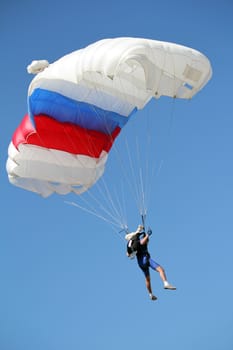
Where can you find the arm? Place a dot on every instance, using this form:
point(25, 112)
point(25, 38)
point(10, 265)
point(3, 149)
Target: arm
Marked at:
point(145, 239)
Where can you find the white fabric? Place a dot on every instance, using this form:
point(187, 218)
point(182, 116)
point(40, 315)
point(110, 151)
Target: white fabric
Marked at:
point(45, 171)
point(37, 66)
point(130, 69)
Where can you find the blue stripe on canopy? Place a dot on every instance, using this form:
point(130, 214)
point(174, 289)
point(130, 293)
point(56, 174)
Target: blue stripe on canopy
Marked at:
point(64, 109)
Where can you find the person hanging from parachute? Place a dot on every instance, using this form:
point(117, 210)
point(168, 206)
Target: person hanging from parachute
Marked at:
point(137, 245)
point(78, 105)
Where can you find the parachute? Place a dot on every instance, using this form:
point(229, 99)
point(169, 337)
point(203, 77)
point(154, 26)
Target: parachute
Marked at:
point(78, 105)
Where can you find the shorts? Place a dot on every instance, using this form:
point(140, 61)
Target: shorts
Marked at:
point(145, 262)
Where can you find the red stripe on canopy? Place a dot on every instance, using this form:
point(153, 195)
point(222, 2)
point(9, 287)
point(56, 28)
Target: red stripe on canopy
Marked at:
point(49, 133)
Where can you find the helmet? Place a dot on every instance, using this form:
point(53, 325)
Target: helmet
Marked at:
point(140, 228)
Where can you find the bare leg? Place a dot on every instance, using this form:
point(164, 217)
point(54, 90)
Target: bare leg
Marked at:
point(163, 277)
point(162, 273)
point(148, 286)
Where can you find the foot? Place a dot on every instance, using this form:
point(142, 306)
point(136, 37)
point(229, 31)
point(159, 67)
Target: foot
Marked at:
point(153, 297)
point(169, 286)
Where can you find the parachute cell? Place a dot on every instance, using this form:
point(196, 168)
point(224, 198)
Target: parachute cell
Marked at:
point(78, 105)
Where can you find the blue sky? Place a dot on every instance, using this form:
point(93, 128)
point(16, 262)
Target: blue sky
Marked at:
point(65, 280)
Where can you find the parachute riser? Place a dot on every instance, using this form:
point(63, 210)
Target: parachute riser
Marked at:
point(143, 220)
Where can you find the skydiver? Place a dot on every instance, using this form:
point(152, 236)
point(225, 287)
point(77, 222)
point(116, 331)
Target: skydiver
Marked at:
point(138, 245)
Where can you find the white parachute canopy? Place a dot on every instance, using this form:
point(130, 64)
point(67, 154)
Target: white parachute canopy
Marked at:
point(78, 105)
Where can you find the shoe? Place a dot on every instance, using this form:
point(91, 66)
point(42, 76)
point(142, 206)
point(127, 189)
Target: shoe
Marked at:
point(169, 286)
point(153, 297)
